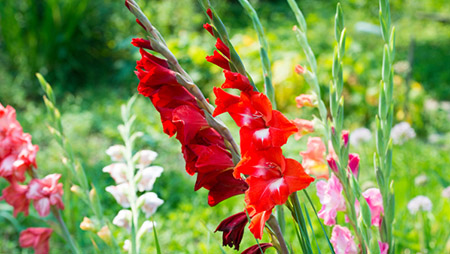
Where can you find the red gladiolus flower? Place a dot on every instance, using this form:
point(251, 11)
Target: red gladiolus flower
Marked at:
point(233, 229)
point(219, 60)
point(37, 238)
point(256, 249)
point(15, 195)
point(45, 193)
point(223, 48)
point(141, 43)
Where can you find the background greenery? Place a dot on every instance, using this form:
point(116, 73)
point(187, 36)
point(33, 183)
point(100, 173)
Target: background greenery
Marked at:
point(83, 49)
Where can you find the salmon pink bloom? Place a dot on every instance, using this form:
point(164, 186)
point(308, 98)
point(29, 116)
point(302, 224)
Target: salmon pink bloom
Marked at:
point(233, 229)
point(256, 249)
point(375, 202)
point(45, 193)
point(330, 195)
point(37, 238)
point(304, 127)
point(305, 100)
point(15, 195)
point(342, 241)
point(313, 158)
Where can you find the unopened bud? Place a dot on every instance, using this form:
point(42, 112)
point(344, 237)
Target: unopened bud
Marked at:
point(299, 69)
point(105, 234)
point(76, 190)
point(87, 224)
point(345, 137)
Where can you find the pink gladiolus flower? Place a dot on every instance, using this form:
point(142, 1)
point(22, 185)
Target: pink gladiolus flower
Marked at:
point(304, 127)
point(15, 195)
point(120, 193)
point(45, 193)
point(342, 241)
point(313, 158)
point(37, 238)
point(384, 247)
point(304, 100)
point(118, 172)
point(375, 202)
point(330, 195)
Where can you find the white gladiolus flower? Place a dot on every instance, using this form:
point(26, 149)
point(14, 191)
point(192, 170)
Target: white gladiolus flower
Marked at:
point(120, 193)
point(149, 202)
point(419, 203)
point(126, 245)
point(145, 157)
point(146, 227)
point(118, 172)
point(402, 132)
point(123, 219)
point(420, 180)
point(446, 192)
point(148, 176)
point(116, 152)
point(359, 136)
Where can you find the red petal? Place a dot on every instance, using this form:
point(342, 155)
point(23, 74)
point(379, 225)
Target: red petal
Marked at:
point(237, 81)
point(223, 48)
point(219, 60)
point(141, 43)
point(258, 222)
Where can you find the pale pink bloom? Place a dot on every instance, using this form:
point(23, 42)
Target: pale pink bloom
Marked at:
point(446, 192)
point(45, 193)
point(118, 172)
point(313, 158)
point(148, 177)
point(304, 127)
point(419, 203)
point(116, 152)
point(123, 219)
point(342, 241)
point(150, 202)
point(37, 238)
point(126, 245)
point(145, 157)
point(375, 202)
point(384, 247)
point(120, 193)
point(330, 195)
point(305, 100)
point(15, 195)
point(146, 227)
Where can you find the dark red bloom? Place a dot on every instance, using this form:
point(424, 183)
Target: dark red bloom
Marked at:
point(256, 249)
point(233, 229)
point(209, 12)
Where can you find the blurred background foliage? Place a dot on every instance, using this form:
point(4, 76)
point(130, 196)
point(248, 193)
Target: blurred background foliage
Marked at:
point(83, 49)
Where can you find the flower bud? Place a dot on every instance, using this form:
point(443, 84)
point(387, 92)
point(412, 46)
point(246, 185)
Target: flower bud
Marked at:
point(87, 224)
point(105, 234)
point(299, 69)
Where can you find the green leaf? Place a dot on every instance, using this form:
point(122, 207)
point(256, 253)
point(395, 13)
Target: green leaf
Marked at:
point(155, 235)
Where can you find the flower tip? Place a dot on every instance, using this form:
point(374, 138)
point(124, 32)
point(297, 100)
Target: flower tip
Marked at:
point(209, 12)
point(294, 28)
point(299, 69)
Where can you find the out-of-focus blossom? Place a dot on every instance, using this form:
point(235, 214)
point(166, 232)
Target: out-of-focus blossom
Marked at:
point(299, 69)
point(145, 158)
point(120, 193)
point(256, 249)
point(147, 177)
point(149, 202)
point(304, 127)
point(313, 158)
point(419, 203)
point(330, 195)
point(87, 224)
point(233, 229)
point(431, 105)
point(342, 241)
point(446, 192)
point(402, 132)
point(116, 152)
point(420, 180)
point(345, 134)
point(146, 227)
point(375, 202)
point(126, 245)
point(104, 234)
point(359, 136)
point(305, 100)
point(15, 195)
point(123, 219)
point(45, 193)
point(384, 247)
point(118, 172)
point(37, 238)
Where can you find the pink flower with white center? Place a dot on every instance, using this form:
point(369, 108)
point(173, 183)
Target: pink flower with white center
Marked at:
point(116, 152)
point(15, 195)
point(375, 202)
point(150, 202)
point(304, 127)
point(120, 193)
point(313, 159)
point(342, 241)
point(305, 100)
point(330, 195)
point(148, 177)
point(145, 158)
point(45, 193)
point(118, 172)
point(123, 219)
point(37, 238)
point(384, 247)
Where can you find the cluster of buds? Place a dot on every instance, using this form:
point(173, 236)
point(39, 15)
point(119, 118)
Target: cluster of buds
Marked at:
point(18, 157)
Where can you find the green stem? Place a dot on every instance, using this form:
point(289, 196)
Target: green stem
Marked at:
point(56, 213)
